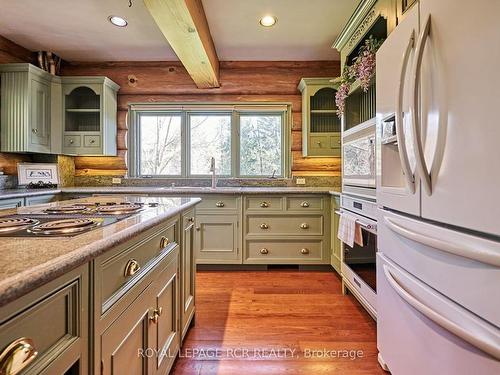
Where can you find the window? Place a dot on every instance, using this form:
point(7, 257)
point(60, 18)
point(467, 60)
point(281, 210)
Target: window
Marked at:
point(210, 137)
point(173, 142)
point(160, 140)
point(260, 145)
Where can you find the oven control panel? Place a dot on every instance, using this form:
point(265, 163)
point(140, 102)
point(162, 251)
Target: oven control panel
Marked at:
point(361, 206)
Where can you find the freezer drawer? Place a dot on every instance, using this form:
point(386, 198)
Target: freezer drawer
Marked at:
point(420, 331)
point(461, 266)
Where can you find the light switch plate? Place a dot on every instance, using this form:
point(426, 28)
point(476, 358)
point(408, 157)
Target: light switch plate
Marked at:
point(300, 181)
point(116, 180)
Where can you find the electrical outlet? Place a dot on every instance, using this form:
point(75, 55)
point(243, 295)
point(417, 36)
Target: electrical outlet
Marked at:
point(300, 181)
point(116, 180)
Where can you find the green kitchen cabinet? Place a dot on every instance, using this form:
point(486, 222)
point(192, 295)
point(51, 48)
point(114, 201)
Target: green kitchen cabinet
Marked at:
point(90, 108)
point(335, 242)
point(11, 203)
point(320, 123)
point(217, 239)
point(188, 275)
point(30, 112)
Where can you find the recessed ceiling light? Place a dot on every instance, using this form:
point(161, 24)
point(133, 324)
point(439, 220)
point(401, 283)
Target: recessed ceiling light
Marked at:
point(117, 21)
point(268, 21)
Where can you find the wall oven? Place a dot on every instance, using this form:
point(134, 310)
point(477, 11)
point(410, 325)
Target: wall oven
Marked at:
point(358, 263)
point(358, 158)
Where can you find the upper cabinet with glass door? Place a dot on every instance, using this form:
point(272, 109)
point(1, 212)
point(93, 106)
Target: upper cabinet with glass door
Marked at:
point(89, 105)
point(320, 123)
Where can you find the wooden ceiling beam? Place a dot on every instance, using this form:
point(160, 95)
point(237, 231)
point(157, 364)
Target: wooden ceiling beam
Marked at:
point(185, 26)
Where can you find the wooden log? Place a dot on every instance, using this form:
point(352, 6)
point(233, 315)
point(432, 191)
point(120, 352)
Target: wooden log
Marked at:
point(296, 120)
point(300, 163)
point(121, 120)
point(296, 140)
point(121, 139)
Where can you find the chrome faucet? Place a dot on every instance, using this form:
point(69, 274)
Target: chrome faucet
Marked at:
point(212, 170)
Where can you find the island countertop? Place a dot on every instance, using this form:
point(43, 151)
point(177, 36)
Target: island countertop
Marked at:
point(29, 262)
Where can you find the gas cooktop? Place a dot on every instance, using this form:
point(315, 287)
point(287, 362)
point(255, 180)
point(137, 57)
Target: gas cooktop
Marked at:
point(68, 220)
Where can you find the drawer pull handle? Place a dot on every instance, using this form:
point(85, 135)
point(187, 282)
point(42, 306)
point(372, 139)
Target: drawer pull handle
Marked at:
point(264, 226)
point(264, 204)
point(304, 226)
point(304, 204)
point(34, 130)
point(131, 268)
point(264, 251)
point(17, 356)
point(220, 204)
point(156, 314)
point(191, 219)
point(304, 251)
point(164, 242)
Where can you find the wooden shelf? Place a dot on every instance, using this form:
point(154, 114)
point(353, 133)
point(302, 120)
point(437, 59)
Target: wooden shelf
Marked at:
point(323, 111)
point(83, 110)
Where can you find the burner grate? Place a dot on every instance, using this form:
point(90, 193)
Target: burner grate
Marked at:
point(65, 226)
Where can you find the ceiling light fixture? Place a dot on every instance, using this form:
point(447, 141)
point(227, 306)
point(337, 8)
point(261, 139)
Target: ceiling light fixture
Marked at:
point(268, 21)
point(118, 21)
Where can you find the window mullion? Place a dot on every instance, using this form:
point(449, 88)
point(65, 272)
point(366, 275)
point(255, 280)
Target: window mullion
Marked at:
point(235, 144)
point(186, 145)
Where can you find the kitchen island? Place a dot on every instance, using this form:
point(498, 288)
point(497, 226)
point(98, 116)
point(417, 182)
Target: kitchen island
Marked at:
point(115, 289)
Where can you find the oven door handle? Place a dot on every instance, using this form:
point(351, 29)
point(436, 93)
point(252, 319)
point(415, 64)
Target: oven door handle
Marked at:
point(367, 226)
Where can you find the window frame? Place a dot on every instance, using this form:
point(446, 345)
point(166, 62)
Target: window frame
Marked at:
point(185, 111)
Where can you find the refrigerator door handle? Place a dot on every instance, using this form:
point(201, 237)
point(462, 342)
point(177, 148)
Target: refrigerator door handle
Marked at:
point(467, 248)
point(416, 125)
point(476, 333)
point(403, 152)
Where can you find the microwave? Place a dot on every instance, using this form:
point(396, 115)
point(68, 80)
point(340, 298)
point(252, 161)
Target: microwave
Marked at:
point(358, 157)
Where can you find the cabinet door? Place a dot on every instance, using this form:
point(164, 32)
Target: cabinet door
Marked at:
point(31, 201)
point(40, 116)
point(166, 323)
point(217, 239)
point(336, 244)
point(11, 203)
point(124, 344)
point(188, 272)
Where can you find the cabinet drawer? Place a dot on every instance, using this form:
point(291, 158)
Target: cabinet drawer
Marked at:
point(11, 203)
point(285, 225)
point(305, 204)
point(264, 204)
point(122, 270)
point(92, 141)
point(218, 203)
point(284, 251)
point(49, 327)
point(72, 141)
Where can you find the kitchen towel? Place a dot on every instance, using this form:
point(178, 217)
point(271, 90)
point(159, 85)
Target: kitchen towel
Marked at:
point(349, 230)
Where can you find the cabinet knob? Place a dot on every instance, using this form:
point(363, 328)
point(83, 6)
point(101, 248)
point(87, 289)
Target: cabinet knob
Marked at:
point(17, 356)
point(164, 242)
point(198, 229)
point(71, 141)
point(131, 268)
point(264, 204)
point(191, 220)
point(264, 226)
point(304, 204)
point(220, 204)
point(34, 130)
point(264, 251)
point(156, 314)
point(304, 226)
point(92, 141)
point(319, 143)
point(304, 251)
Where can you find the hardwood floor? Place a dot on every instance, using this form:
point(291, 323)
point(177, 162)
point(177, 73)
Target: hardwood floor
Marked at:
point(269, 322)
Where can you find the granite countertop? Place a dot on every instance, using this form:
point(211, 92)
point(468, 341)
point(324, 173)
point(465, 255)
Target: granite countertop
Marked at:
point(19, 193)
point(201, 190)
point(28, 262)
